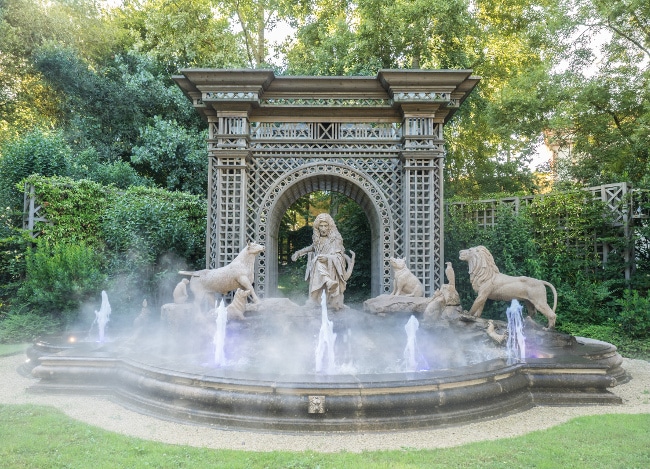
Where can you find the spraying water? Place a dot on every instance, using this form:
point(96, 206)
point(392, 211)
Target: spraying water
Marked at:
point(516, 344)
point(326, 339)
point(102, 316)
point(411, 328)
point(348, 366)
point(220, 334)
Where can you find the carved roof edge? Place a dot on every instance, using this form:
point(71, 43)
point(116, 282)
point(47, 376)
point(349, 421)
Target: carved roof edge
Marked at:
point(388, 96)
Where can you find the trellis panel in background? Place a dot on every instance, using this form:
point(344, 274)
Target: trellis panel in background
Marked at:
point(624, 203)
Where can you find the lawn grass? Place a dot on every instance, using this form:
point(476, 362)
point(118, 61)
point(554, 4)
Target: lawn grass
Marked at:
point(12, 349)
point(37, 436)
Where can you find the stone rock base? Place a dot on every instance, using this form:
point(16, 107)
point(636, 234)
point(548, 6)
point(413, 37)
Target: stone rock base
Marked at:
point(277, 306)
point(386, 304)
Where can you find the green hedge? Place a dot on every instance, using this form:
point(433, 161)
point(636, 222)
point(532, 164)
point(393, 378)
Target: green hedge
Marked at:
point(130, 243)
point(151, 234)
point(73, 209)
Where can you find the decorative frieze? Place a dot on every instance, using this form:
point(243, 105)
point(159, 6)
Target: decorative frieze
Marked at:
point(327, 102)
point(410, 96)
point(230, 96)
point(325, 131)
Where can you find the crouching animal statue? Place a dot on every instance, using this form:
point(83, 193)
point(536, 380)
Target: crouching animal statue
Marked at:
point(489, 283)
point(238, 274)
point(405, 283)
point(237, 308)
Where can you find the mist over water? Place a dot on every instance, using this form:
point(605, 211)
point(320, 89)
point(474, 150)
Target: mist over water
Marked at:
point(308, 341)
point(271, 345)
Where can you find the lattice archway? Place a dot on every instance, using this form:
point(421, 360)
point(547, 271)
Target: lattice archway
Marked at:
point(376, 140)
point(335, 177)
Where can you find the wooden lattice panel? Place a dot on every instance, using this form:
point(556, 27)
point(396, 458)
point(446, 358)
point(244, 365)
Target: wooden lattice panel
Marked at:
point(227, 204)
point(373, 181)
point(615, 196)
point(424, 250)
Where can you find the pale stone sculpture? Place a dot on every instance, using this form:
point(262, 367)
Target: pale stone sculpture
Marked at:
point(237, 308)
point(180, 292)
point(389, 304)
point(451, 275)
point(143, 318)
point(491, 331)
point(328, 267)
point(489, 283)
point(238, 274)
point(445, 303)
point(405, 283)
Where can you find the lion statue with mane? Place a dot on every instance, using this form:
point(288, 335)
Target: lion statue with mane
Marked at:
point(489, 283)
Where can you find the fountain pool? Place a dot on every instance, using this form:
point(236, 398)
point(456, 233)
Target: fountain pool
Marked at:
point(269, 379)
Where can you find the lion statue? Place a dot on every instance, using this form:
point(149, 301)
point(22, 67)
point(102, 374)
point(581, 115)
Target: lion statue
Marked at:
point(489, 283)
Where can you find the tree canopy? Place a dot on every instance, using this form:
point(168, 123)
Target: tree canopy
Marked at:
point(577, 71)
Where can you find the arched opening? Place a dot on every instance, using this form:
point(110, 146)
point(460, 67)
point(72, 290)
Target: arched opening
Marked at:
point(337, 187)
point(296, 230)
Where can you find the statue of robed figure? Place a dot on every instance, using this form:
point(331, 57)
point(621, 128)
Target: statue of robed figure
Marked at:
point(328, 267)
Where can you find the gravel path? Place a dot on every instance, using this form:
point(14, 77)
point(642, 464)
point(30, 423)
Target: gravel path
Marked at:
point(103, 413)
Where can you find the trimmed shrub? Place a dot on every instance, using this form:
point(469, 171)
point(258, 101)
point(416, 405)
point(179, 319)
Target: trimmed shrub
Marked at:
point(60, 279)
point(585, 301)
point(150, 235)
point(73, 209)
point(634, 318)
point(25, 327)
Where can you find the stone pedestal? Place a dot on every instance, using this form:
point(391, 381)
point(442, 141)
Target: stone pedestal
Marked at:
point(386, 304)
point(177, 317)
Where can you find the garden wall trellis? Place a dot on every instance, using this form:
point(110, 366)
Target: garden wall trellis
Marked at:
point(625, 204)
point(377, 140)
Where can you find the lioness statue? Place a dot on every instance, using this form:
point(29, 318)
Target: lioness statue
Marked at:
point(489, 283)
point(238, 274)
point(405, 283)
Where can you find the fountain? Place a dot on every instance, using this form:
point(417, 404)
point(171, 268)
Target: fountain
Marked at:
point(379, 141)
point(410, 351)
point(458, 369)
point(516, 342)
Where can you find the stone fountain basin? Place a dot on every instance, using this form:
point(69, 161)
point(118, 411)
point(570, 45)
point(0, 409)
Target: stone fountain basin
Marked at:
point(172, 388)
